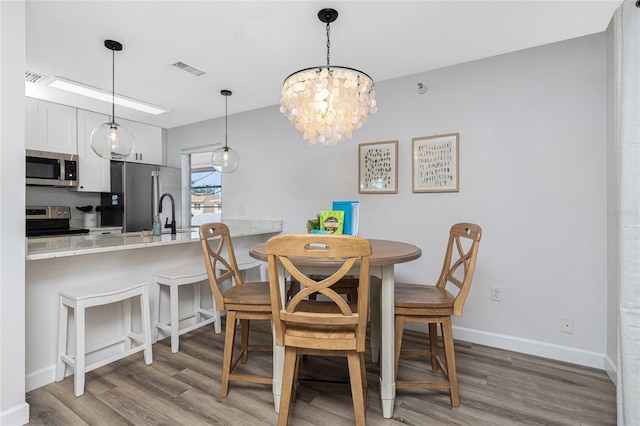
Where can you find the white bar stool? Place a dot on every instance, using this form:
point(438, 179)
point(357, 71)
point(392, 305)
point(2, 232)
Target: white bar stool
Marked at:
point(173, 280)
point(79, 299)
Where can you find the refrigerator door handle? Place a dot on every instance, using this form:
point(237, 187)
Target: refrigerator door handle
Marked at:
point(155, 185)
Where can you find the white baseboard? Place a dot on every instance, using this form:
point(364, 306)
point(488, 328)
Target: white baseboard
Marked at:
point(526, 346)
point(39, 378)
point(611, 369)
point(15, 416)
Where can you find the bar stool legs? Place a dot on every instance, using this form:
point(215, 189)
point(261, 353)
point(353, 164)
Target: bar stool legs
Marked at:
point(202, 316)
point(82, 298)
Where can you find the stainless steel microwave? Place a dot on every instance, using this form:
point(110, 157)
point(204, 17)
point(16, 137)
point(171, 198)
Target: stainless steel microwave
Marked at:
point(51, 168)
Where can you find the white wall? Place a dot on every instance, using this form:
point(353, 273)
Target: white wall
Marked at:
point(613, 215)
point(533, 153)
point(13, 408)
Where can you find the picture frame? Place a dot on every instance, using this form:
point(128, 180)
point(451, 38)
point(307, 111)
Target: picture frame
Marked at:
point(378, 167)
point(435, 163)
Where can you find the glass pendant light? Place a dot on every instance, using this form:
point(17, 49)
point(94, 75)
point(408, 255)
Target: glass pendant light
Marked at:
point(112, 140)
point(327, 103)
point(225, 159)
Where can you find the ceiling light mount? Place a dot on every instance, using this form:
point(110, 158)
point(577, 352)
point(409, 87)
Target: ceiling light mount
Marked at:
point(113, 45)
point(327, 103)
point(225, 159)
point(111, 140)
point(328, 15)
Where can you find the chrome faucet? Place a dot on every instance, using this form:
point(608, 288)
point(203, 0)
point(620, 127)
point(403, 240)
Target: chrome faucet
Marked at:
point(173, 212)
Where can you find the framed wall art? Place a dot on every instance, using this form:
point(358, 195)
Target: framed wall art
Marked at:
point(435, 163)
point(378, 167)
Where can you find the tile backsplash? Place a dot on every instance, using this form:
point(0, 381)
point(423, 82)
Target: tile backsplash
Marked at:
point(49, 196)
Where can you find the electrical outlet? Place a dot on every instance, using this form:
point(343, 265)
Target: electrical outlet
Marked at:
point(496, 293)
point(566, 325)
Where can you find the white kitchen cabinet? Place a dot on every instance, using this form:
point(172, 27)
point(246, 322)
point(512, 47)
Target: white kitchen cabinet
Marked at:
point(94, 173)
point(50, 127)
point(148, 141)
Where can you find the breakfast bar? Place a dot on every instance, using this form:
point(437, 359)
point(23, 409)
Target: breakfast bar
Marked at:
point(70, 261)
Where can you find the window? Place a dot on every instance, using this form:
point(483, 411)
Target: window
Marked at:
point(205, 195)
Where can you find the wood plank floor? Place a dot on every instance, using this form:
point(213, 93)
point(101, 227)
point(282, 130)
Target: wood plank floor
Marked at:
point(497, 387)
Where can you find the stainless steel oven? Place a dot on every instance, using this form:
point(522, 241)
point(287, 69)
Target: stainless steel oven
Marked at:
point(51, 168)
point(50, 220)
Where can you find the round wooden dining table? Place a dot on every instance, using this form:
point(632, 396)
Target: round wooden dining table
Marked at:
point(384, 255)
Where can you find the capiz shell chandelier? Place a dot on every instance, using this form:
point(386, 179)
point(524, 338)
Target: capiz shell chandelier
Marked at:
point(327, 103)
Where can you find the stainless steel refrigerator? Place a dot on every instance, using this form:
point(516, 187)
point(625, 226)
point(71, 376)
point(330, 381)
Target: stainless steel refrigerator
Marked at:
point(135, 191)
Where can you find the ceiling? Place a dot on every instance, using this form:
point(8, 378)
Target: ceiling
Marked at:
point(249, 47)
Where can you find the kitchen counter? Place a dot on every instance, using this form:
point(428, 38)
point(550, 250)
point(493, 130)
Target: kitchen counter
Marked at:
point(73, 245)
point(70, 261)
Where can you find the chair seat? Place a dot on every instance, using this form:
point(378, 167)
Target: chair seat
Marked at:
point(249, 294)
point(317, 331)
point(417, 296)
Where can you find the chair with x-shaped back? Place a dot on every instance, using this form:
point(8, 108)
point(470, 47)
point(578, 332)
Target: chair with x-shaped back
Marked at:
point(435, 305)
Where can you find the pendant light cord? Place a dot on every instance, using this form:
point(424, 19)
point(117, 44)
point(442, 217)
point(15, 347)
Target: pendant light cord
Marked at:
point(226, 114)
point(113, 86)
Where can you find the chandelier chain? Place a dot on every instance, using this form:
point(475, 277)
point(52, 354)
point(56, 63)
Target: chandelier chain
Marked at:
point(328, 42)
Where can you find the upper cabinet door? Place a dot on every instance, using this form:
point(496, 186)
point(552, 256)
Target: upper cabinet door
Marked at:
point(94, 174)
point(56, 127)
point(148, 141)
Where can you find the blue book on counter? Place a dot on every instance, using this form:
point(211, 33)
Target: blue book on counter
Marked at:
point(351, 215)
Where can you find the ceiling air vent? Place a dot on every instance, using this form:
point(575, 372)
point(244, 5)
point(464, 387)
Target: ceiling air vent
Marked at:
point(32, 77)
point(188, 68)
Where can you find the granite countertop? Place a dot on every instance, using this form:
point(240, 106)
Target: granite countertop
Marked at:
point(73, 245)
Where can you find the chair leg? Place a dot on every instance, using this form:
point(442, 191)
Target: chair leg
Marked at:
point(79, 365)
point(145, 314)
point(363, 373)
point(216, 324)
point(63, 318)
point(229, 339)
point(197, 304)
point(399, 330)
point(157, 294)
point(296, 374)
point(355, 375)
point(290, 359)
point(245, 340)
point(433, 344)
point(126, 314)
point(173, 313)
point(447, 338)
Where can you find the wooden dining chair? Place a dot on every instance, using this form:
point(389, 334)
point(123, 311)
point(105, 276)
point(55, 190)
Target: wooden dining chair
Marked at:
point(435, 305)
point(347, 286)
point(327, 327)
point(243, 301)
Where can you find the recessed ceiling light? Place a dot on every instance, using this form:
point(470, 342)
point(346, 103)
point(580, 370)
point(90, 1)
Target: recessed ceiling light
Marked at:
point(81, 89)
